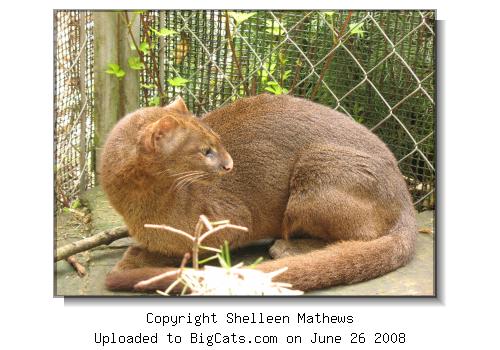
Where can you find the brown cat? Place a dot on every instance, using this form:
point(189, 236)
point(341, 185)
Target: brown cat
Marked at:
point(299, 168)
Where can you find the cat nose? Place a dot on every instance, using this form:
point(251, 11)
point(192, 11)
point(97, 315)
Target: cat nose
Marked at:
point(227, 165)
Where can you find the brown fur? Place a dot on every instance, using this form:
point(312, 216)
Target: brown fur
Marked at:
point(299, 168)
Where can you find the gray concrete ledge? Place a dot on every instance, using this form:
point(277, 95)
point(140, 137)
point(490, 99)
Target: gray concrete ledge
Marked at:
point(414, 279)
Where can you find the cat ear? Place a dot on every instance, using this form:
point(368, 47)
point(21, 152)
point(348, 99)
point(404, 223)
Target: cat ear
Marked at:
point(156, 133)
point(178, 105)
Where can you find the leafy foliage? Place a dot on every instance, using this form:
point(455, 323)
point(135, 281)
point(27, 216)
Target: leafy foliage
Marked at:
point(135, 63)
point(114, 69)
point(154, 101)
point(273, 28)
point(240, 17)
point(144, 48)
point(163, 32)
point(178, 81)
point(224, 256)
point(275, 88)
point(148, 86)
point(357, 29)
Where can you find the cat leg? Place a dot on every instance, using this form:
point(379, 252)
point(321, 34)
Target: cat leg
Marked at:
point(139, 264)
point(356, 203)
point(339, 193)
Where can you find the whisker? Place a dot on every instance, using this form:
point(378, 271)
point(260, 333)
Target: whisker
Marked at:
point(199, 178)
point(184, 177)
point(178, 183)
point(187, 181)
point(186, 172)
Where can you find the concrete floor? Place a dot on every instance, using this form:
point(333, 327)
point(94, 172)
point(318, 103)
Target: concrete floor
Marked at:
point(414, 279)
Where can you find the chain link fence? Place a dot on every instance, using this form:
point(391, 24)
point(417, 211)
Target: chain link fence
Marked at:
point(73, 105)
point(378, 67)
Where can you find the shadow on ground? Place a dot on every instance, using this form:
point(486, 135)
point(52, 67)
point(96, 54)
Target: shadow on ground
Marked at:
point(414, 279)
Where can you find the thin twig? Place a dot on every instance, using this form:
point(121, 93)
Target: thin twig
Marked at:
point(329, 59)
point(80, 270)
point(156, 278)
point(229, 38)
point(141, 55)
point(183, 263)
point(159, 84)
point(196, 243)
point(170, 229)
point(77, 58)
point(221, 227)
point(139, 52)
point(205, 221)
point(221, 222)
point(104, 237)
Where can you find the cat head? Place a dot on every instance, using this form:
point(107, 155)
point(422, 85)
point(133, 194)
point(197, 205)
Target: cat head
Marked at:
point(179, 144)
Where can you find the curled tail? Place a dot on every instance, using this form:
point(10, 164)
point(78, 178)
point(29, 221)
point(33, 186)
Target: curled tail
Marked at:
point(348, 261)
point(344, 262)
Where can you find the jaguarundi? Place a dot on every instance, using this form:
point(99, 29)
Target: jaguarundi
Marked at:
point(281, 166)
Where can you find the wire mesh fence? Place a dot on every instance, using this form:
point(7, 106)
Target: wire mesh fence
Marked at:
point(378, 67)
point(73, 105)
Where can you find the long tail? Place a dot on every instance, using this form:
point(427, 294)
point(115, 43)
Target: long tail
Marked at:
point(340, 263)
point(348, 261)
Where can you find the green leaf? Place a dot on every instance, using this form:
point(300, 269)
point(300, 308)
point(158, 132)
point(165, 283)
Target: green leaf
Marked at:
point(329, 13)
point(76, 204)
point(178, 81)
point(204, 261)
point(272, 67)
point(273, 28)
point(286, 75)
point(357, 29)
point(148, 86)
point(225, 254)
point(282, 58)
point(144, 47)
point(164, 32)
point(155, 101)
point(224, 257)
point(134, 62)
point(114, 69)
point(222, 262)
point(257, 261)
point(240, 17)
point(275, 88)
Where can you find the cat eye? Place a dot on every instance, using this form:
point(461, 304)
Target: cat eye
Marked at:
point(208, 152)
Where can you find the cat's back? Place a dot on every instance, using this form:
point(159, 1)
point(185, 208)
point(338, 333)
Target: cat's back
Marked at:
point(290, 122)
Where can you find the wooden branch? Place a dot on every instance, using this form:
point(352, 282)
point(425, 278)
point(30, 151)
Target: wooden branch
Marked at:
point(141, 56)
point(221, 227)
point(197, 237)
point(156, 70)
point(80, 270)
point(229, 38)
point(105, 237)
point(196, 243)
point(329, 59)
point(170, 229)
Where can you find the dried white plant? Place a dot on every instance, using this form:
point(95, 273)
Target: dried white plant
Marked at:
point(224, 280)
